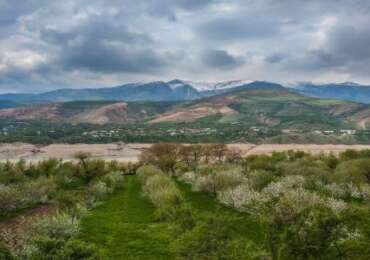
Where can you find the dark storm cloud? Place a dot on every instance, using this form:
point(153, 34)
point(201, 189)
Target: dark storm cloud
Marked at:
point(346, 48)
point(220, 59)
point(45, 44)
point(103, 57)
point(350, 41)
point(95, 28)
point(105, 45)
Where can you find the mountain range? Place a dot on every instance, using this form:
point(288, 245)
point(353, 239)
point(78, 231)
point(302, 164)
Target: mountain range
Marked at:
point(264, 104)
point(344, 91)
point(180, 90)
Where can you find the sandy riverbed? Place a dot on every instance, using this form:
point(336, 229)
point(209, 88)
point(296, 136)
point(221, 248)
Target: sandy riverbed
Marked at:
point(130, 152)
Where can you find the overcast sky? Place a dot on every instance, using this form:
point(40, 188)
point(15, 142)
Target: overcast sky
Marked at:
point(49, 44)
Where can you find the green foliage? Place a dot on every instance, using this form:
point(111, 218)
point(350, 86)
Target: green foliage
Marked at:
point(284, 206)
point(215, 239)
point(355, 171)
point(162, 192)
point(147, 171)
point(46, 248)
point(5, 253)
point(261, 178)
point(20, 196)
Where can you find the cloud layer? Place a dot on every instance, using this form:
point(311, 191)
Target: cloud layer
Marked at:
point(46, 45)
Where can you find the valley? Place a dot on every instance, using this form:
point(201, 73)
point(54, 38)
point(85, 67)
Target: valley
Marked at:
point(259, 114)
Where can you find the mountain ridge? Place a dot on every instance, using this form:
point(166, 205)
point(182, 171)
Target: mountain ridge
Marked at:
point(266, 104)
point(182, 90)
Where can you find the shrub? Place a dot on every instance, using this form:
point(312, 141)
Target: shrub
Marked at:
point(96, 192)
point(259, 179)
point(5, 254)
point(214, 238)
point(9, 198)
point(47, 248)
point(60, 226)
point(39, 190)
point(20, 196)
point(241, 197)
point(307, 167)
point(348, 191)
point(355, 171)
point(260, 162)
point(44, 235)
point(147, 171)
point(219, 181)
point(161, 190)
point(188, 177)
point(77, 249)
point(112, 179)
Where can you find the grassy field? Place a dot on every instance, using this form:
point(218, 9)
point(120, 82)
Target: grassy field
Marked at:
point(124, 227)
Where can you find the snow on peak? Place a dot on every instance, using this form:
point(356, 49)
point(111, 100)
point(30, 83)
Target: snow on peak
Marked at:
point(209, 86)
point(176, 83)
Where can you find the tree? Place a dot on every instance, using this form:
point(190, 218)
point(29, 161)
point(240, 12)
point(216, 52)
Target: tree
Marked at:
point(218, 151)
point(163, 155)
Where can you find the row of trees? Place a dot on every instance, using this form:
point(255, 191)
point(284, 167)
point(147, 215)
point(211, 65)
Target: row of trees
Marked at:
point(167, 156)
point(309, 206)
point(65, 191)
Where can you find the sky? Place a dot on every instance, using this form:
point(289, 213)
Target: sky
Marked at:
point(51, 44)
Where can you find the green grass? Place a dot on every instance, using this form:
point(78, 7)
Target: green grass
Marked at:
point(124, 227)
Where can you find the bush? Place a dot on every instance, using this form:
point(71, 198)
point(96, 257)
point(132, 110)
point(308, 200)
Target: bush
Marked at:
point(355, 171)
point(10, 196)
point(147, 171)
point(95, 192)
point(60, 226)
point(112, 179)
point(242, 197)
point(219, 180)
point(214, 239)
point(77, 249)
point(259, 179)
point(5, 253)
point(46, 235)
point(11, 173)
point(47, 248)
point(161, 190)
point(20, 196)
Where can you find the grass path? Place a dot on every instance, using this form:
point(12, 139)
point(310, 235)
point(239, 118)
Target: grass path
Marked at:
point(124, 226)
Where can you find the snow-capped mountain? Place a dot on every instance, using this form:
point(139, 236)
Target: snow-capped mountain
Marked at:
point(212, 86)
point(174, 90)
